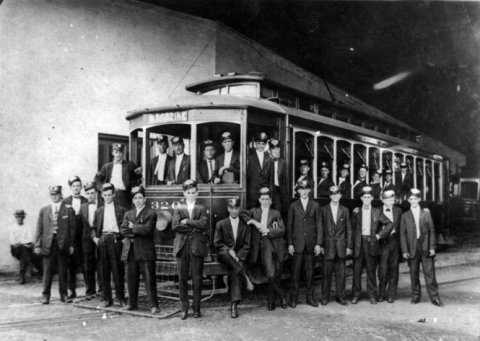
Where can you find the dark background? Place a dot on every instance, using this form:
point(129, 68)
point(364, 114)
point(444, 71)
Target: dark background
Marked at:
point(355, 44)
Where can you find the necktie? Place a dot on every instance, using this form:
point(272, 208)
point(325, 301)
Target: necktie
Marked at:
point(210, 169)
point(55, 212)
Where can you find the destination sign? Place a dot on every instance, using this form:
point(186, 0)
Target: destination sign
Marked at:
point(165, 117)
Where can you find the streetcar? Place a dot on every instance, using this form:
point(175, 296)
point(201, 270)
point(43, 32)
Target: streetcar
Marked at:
point(307, 126)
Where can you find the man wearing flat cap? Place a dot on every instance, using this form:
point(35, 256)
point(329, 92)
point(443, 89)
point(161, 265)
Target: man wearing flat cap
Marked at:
point(208, 167)
point(367, 223)
point(122, 174)
point(418, 241)
point(344, 181)
point(229, 161)
point(403, 181)
point(388, 183)
point(232, 243)
point(361, 181)
point(278, 178)
point(337, 241)
point(21, 243)
point(54, 241)
point(258, 168)
point(389, 250)
point(75, 260)
point(159, 164)
point(139, 250)
point(325, 181)
point(179, 167)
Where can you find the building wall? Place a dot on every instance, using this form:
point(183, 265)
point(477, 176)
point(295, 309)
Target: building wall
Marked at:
point(72, 69)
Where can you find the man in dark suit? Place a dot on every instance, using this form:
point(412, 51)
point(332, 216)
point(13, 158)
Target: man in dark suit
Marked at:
point(366, 224)
point(106, 235)
point(179, 167)
point(325, 181)
point(268, 246)
point(54, 240)
point(305, 172)
point(388, 183)
point(190, 246)
point(303, 239)
point(376, 184)
point(207, 168)
point(75, 260)
point(123, 175)
point(159, 164)
point(418, 246)
point(139, 250)
point(90, 259)
point(258, 167)
point(344, 181)
point(232, 243)
point(278, 178)
point(361, 181)
point(228, 162)
point(337, 242)
point(403, 181)
point(389, 250)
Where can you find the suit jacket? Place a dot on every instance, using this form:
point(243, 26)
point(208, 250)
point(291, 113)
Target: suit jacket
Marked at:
point(257, 177)
point(357, 188)
point(388, 187)
point(376, 190)
point(78, 219)
point(345, 188)
point(397, 214)
point(195, 227)
point(275, 238)
point(183, 173)
point(323, 188)
point(408, 233)
point(378, 220)
point(153, 166)
point(234, 165)
point(65, 233)
point(129, 177)
point(402, 187)
point(224, 240)
point(86, 230)
point(282, 174)
point(97, 227)
point(312, 184)
point(202, 172)
point(335, 238)
point(140, 236)
point(304, 226)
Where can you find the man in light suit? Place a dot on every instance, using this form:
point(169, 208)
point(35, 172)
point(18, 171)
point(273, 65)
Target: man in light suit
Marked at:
point(159, 164)
point(418, 246)
point(123, 175)
point(54, 240)
point(232, 243)
point(268, 245)
point(228, 162)
point(179, 167)
point(106, 235)
point(367, 222)
point(389, 250)
point(139, 250)
point(303, 239)
point(207, 169)
point(278, 178)
point(258, 167)
point(190, 246)
point(336, 240)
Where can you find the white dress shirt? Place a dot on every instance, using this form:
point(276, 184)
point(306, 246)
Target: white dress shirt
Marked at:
point(190, 207)
point(228, 159)
point(234, 223)
point(20, 234)
point(178, 164)
point(334, 209)
point(76, 203)
point(55, 210)
point(264, 219)
point(304, 203)
point(138, 210)
point(366, 221)
point(160, 168)
point(116, 179)
point(260, 156)
point(388, 212)
point(416, 217)
point(340, 180)
point(276, 182)
point(92, 207)
point(109, 219)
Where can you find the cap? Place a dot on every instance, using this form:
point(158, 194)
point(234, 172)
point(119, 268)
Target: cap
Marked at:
point(234, 202)
point(118, 147)
point(273, 143)
point(345, 166)
point(334, 190)
point(303, 184)
point(227, 136)
point(177, 140)
point(324, 165)
point(138, 189)
point(264, 191)
point(55, 189)
point(364, 166)
point(304, 162)
point(19, 213)
point(207, 143)
point(388, 172)
point(164, 217)
point(414, 192)
point(403, 165)
point(189, 184)
point(261, 137)
point(379, 172)
point(108, 186)
point(388, 194)
point(162, 139)
point(88, 186)
point(73, 179)
point(366, 190)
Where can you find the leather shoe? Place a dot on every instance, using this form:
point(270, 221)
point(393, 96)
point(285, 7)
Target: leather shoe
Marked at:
point(130, 308)
point(63, 299)
point(72, 296)
point(437, 302)
point(271, 306)
point(373, 301)
point(389, 300)
point(312, 302)
point(354, 300)
point(197, 314)
point(381, 299)
point(107, 304)
point(324, 301)
point(154, 310)
point(46, 300)
point(415, 300)
point(184, 315)
point(341, 301)
point(120, 302)
point(234, 310)
point(293, 303)
point(283, 303)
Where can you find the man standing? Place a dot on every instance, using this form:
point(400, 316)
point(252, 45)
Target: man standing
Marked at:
point(418, 246)
point(106, 235)
point(258, 167)
point(388, 184)
point(344, 181)
point(179, 167)
point(190, 246)
point(304, 239)
point(361, 181)
point(75, 260)
point(376, 184)
point(325, 181)
point(268, 246)
point(336, 239)
point(229, 161)
point(139, 250)
point(54, 240)
point(367, 222)
point(278, 177)
point(123, 175)
point(403, 181)
point(159, 164)
point(21, 243)
point(207, 168)
point(389, 250)
point(232, 243)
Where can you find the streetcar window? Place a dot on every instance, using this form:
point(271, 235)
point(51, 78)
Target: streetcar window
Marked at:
point(419, 169)
point(164, 143)
point(268, 93)
point(438, 182)
point(469, 190)
point(398, 159)
point(217, 91)
point(360, 168)
point(370, 124)
point(343, 176)
point(342, 116)
point(325, 159)
point(248, 90)
point(387, 160)
point(409, 161)
point(218, 153)
point(287, 99)
point(429, 180)
point(136, 143)
point(374, 159)
point(307, 104)
point(304, 158)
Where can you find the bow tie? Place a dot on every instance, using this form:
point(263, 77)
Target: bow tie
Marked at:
point(387, 209)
